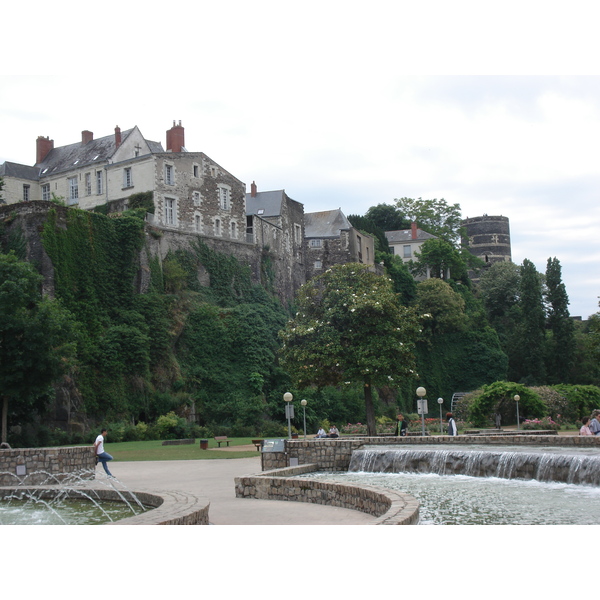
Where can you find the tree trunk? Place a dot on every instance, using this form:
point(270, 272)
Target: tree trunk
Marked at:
point(371, 427)
point(4, 419)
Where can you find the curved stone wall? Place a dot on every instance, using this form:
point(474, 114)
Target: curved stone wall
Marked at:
point(391, 508)
point(170, 508)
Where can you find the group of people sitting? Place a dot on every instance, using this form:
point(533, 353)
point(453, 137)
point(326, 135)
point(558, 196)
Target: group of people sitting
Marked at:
point(591, 425)
point(333, 432)
point(401, 428)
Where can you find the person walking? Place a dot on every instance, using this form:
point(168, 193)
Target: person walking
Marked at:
point(100, 453)
point(452, 429)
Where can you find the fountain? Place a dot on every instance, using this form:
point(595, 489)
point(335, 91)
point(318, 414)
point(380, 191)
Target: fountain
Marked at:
point(65, 499)
point(478, 485)
point(567, 465)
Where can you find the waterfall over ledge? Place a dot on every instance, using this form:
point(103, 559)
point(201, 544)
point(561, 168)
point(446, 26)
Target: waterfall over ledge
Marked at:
point(575, 466)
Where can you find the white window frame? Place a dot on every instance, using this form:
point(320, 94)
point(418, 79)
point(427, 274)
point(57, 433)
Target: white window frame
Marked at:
point(233, 228)
point(127, 177)
point(88, 184)
point(407, 251)
point(46, 194)
point(73, 190)
point(171, 212)
point(217, 227)
point(224, 192)
point(196, 198)
point(169, 174)
point(26, 192)
point(99, 183)
point(315, 243)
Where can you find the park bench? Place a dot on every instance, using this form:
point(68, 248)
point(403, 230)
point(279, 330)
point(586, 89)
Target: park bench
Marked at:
point(220, 439)
point(258, 444)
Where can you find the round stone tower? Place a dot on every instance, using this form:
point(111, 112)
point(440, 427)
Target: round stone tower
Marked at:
point(488, 238)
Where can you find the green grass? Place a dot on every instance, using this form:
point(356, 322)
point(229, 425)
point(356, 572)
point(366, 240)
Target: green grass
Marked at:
point(154, 450)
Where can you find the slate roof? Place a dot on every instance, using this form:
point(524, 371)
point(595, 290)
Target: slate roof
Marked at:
point(98, 151)
point(269, 203)
point(325, 224)
point(405, 235)
point(11, 169)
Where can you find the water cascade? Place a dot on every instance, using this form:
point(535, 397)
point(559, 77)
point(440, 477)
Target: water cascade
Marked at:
point(573, 466)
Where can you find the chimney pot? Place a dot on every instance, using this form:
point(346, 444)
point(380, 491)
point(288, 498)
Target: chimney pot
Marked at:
point(86, 136)
point(117, 136)
point(413, 228)
point(253, 190)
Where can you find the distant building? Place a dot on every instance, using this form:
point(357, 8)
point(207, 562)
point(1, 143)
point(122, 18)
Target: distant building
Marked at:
point(332, 240)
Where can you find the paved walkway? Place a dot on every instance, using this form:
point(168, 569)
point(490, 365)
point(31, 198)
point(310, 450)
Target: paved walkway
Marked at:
point(214, 479)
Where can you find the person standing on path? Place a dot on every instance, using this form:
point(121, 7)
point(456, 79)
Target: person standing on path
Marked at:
point(452, 429)
point(101, 455)
point(401, 426)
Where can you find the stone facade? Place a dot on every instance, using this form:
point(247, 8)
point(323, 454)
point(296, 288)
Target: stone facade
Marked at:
point(391, 508)
point(331, 240)
point(40, 466)
point(488, 238)
point(335, 454)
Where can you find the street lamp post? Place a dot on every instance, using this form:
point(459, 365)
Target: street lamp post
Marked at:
point(422, 407)
point(289, 411)
point(517, 398)
point(440, 402)
point(303, 402)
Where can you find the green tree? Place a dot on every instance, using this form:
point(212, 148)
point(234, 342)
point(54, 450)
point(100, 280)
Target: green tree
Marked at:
point(350, 328)
point(561, 347)
point(534, 325)
point(388, 217)
point(498, 398)
point(434, 216)
point(440, 258)
point(441, 308)
point(36, 339)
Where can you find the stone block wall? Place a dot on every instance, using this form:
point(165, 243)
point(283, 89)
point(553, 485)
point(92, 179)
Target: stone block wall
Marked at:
point(335, 454)
point(391, 508)
point(45, 465)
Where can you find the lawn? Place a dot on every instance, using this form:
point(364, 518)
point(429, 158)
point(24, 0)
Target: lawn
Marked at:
point(154, 450)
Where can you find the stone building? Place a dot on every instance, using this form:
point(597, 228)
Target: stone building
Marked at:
point(275, 224)
point(332, 240)
point(488, 238)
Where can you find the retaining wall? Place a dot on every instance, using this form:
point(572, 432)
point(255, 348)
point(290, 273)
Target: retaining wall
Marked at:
point(391, 508)
point(335, 454)
point(38, 466)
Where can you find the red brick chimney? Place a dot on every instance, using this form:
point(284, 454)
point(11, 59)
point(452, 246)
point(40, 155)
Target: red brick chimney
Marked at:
point(253, 190)
point(176, 138)
point(117, 136)
point(43, 147)
point(86, 136)
point(413, 230)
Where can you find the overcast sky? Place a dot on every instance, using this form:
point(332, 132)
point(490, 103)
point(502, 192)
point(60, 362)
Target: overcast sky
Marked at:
point(494, 106)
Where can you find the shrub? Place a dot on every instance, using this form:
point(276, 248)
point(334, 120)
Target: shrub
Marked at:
point(545, 424)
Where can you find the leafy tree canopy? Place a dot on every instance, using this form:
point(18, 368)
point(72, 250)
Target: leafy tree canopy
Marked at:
point(350, 328)
point(36, 337)
point(388, 217)
point(434, 216)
